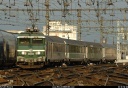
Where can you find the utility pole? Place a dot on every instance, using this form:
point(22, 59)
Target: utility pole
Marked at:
point(47, 17)
point(113, 41)
point(118, 42)
point(121, 43)
point(79, 24)
point(100, 20)
point(101, 31)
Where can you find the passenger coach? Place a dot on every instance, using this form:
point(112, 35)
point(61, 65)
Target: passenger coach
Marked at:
point(94, 52)
point(7, 49)
point(109, 53)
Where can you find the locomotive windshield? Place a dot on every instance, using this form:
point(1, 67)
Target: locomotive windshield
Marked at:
point(24, 41)
point(37, 41)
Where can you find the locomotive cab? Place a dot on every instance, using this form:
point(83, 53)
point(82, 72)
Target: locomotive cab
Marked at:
point(31, 49)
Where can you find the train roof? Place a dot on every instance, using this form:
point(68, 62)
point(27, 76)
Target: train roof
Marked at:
point(62, 40)
point(7, 36)
point(54, 39)
point(93, 44)
point(33, 33)
point(108, 45)
point(74, 42)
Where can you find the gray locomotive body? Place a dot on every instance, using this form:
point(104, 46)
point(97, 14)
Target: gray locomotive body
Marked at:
point(7, 49)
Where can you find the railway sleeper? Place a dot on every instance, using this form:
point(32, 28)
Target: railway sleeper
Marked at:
point(28, 74)
point(126, 75)
point(3, 81)
point(42, 83)
point(67, 82)
point(8, 77)
point(70, 76)
point(118, 82)
point(111, 75)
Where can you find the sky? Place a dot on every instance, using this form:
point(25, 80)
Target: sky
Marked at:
point(11, 19)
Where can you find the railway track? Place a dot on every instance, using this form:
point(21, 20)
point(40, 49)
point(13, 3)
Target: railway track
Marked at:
point(77, 75)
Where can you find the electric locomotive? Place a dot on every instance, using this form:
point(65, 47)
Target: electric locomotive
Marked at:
point(31, 49)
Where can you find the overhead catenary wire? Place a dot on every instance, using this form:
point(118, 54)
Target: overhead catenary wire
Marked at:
point(70, 11)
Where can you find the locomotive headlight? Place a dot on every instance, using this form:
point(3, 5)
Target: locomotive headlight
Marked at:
point(39, 59)
point(22, 59)
point(38, 53)
point(23, 53)
point(35, 60)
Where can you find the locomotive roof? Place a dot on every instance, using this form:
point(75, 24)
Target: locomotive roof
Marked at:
point(108, 45)
point(34, 33)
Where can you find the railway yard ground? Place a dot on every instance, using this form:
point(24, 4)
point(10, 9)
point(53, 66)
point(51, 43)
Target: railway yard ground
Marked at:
point(75, 75)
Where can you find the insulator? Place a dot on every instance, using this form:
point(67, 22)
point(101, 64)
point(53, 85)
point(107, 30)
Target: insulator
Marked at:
point(78, 13)
point(28, 29)
point(26, 4)
point(110, 2)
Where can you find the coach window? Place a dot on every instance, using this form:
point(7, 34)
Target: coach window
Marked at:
point(81, 49)
point(96, 50)
point(78, 49)
point(55, 48)
point(75, 49)
point(58, 47)
point(72, 48)
point(62, 48)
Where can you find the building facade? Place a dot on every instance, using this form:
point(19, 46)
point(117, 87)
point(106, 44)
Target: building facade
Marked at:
point(61, 30)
